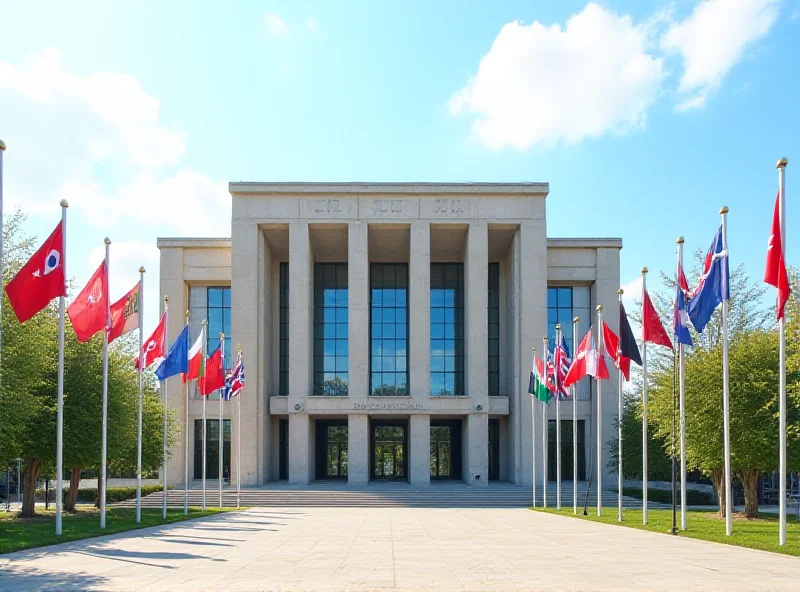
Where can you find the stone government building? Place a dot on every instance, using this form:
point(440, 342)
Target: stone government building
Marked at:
point(387, 331)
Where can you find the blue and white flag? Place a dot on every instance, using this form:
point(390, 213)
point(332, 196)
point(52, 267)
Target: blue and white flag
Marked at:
point(681, 323)
point(714, 285)
point(177, 360)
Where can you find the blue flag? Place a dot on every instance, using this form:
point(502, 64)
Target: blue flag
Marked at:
point(177, 360)
point(681, 322)
point(714, 285)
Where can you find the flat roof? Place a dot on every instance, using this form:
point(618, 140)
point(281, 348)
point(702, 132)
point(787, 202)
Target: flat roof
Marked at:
point(250, 187)
point(584, 243)
point(189, 242)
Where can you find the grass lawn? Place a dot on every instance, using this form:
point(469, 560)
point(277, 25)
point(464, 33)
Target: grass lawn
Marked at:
point(18, 534)
point(761, 533)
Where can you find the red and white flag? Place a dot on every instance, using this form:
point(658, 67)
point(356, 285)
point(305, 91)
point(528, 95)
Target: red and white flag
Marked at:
point(89, 313)
point(41, 279)
point(775, 272)
point(587, 362)
point(155, 347)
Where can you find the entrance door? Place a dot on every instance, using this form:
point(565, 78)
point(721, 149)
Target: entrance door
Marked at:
point(331, 450)
point(566, 450)
point(494, 450)
point(212, 450)
point(445, 449)
point(283, 449)
point(388, 451)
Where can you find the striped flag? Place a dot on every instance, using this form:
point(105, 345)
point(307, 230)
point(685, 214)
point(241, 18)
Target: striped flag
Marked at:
point(562, 363)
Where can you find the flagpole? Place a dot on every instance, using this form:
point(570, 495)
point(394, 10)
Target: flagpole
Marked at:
point(556, 372)
point(221, 424)
point(726, 390)
point(2, 268)
point(644, 409)
point(533, 426)
point(545, 430)
point(141, 396)
point(205, 433)
point(60, 406)
point(574, 394)
point(620, 478)
point(682, 400)
point(104, 451)
point(782, 364)
point(186, 440)
point(599, 412)
point(164, 388)
point(239, 439)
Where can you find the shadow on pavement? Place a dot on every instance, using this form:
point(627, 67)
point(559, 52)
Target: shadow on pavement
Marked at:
point(23, 577)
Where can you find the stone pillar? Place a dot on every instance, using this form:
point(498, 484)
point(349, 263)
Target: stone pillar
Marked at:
point(357, 449)
point(247, 317)
point(420, 310)
point(419, 458)
point(532, 326)
point(299, 448)
point(300, 341)
point(477, 354)
point(358, 310)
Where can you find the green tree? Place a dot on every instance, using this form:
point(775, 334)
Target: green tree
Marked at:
point(659, 461)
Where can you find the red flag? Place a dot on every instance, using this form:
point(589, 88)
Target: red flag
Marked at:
point(40, 280)
point(775, 273)
point(124, 314)
point(89, 312)
point(586, 362)
point(652, 329)
point(155, 347)
point(214, 377)
point(611, 347)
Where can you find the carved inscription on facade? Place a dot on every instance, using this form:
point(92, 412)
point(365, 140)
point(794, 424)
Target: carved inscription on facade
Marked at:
point(387, 406)
point(326, 206)
point(449, 207)
point(381, 207)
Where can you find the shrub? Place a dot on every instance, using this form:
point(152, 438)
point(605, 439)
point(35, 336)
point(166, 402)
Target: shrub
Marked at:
point(113, 494)
point(664, 496)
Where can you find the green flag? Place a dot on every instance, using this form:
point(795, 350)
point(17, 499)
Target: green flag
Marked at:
point(536, 384)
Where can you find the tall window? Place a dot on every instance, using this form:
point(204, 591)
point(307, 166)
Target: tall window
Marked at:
point(388, 329)
point(214, 305)
point(330, 329)
point(559, 310)
point(494, 329)
point(283, 372)
point(447, 329)
point(212, 451)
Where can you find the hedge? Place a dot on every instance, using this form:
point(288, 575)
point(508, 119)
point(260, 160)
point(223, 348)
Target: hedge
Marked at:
point(664, 496)
point(113, 494)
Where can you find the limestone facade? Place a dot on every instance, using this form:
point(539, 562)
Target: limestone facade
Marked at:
point(416, 224)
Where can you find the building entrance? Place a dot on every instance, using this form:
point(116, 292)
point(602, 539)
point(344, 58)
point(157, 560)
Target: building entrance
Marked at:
point(331, 453)
point(446, 449)
point(388, 444)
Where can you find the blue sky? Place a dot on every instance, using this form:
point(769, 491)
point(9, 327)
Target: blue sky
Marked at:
point(644, 117)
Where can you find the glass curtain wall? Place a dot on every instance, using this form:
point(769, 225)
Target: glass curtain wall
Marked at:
point(494, 329)
point(447, 329)
point(283, 372)
point(388, 329)
point(330, 329)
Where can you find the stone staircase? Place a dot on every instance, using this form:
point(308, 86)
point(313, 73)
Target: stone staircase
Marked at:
point(383, 495)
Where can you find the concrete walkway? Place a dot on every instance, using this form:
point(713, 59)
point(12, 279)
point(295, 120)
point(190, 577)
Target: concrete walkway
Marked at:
point(392, 549)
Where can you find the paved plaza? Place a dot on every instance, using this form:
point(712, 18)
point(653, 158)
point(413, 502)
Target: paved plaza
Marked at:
point(395, 549)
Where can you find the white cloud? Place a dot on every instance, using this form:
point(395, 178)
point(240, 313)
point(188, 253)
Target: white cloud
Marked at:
point(542, 84)
point(275, 24)
point(96, 140)
point(312, 25)
point(713, 39)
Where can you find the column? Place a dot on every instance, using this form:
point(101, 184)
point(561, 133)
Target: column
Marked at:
point(477, 353)
point(300, 341)
point(532, 326)
point(357, 449)
point(247, 316)
point(299, 448)
point(358, 310)
point(420, 309)
point(420, 454)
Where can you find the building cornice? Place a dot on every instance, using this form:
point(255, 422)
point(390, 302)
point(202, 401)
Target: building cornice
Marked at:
point(584, 243)
point(193, 243)
point(505, 189)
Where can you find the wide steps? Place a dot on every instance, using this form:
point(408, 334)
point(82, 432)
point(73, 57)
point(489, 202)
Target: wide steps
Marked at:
point(449, 496)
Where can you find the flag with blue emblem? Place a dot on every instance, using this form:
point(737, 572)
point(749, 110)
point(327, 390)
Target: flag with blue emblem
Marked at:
point(714, 285)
